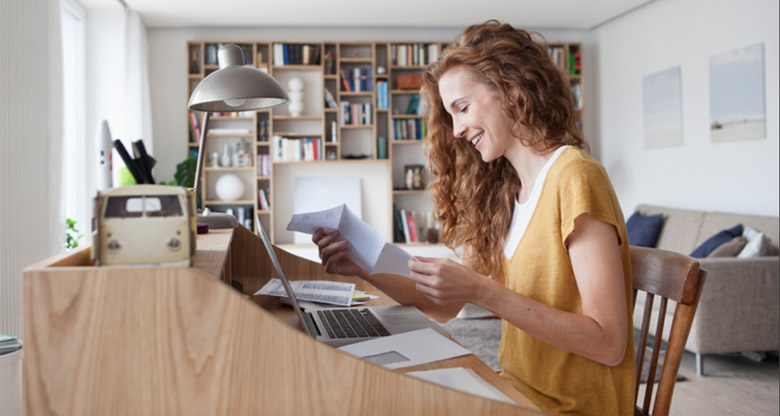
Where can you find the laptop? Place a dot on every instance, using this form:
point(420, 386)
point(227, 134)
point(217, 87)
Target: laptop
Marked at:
point(343, 326)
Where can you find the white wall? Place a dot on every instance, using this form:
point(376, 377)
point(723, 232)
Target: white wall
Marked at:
point(734, 177)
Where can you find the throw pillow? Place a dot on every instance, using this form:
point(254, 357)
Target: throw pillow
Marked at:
point(716, 240)
point(757, 244)
point(644, 230)
point(730, 249)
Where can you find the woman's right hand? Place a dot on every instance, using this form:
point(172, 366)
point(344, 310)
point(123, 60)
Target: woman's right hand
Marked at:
point(333, 253)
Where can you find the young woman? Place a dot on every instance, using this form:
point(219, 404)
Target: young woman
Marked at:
point(543, 237)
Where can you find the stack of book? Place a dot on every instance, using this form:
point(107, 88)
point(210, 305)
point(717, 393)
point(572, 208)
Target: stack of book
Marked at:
point(9, 344)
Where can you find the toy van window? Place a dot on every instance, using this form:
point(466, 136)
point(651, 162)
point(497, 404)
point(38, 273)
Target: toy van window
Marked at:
point(124, 207)
point(163, 206)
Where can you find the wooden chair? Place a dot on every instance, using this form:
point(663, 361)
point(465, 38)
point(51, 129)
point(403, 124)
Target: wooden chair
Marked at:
point(668, 276)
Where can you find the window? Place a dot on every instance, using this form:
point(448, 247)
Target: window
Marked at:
point(74, 147)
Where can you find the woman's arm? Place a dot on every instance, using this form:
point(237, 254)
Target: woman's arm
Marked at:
point(599, 333)
point(334, 257)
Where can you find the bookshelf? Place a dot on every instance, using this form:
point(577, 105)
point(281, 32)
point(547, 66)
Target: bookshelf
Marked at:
point(568, 57)
point(360, 102)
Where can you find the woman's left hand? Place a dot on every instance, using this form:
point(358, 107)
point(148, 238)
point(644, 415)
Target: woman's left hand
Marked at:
point(446, 282)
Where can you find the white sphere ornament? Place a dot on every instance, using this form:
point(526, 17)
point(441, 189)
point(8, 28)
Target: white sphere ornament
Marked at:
point(229, 188)
point(295, 95)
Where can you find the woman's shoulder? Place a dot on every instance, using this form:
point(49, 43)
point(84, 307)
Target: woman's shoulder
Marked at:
point(574, 162)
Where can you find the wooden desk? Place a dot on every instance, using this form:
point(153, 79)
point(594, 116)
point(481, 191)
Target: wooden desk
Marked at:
point(123, 340)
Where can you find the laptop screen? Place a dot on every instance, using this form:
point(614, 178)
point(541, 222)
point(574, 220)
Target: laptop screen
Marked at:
point(278, 266)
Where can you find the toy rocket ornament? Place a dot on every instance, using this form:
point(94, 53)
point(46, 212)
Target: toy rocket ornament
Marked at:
point(104, 162)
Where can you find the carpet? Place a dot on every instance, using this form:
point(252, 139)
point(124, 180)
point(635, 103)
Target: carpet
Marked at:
point(482, 336)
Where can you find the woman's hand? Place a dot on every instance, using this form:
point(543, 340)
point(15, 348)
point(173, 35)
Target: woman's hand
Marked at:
point(446, 282)
point(333, 253)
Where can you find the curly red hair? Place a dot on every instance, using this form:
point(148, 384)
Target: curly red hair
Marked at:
point(474, 200)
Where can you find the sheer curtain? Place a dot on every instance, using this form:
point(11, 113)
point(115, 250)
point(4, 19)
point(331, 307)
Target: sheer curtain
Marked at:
point(30, 143)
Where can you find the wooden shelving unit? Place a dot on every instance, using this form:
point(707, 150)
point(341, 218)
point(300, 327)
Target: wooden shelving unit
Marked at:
point(366, 123)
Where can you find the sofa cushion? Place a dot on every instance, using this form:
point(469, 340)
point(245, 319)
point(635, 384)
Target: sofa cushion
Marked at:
point(731, 248)
point(716, 240)
point(643, 230)
point(716, 221)
point(681, 227)
point(757, 244)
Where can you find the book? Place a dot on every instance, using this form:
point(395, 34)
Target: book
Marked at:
point(195, 127)
point(346, 81)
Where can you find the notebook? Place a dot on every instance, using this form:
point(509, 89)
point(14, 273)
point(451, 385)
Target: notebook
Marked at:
point(343, 326)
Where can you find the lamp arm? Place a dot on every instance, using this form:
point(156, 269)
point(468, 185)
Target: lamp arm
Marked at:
point(201, 149)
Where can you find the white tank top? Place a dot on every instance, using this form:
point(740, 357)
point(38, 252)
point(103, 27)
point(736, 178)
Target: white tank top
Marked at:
point(522, 213)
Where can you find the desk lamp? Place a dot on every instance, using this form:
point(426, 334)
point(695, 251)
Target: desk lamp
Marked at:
point(233, 87)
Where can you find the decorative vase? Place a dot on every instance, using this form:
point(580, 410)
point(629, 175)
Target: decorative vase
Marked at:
point(229, 188)
point(296, 97)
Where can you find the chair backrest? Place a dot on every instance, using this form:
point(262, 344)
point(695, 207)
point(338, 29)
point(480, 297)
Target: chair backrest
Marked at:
point(668, 276)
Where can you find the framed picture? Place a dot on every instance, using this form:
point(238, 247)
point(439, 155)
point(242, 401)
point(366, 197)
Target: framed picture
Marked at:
point(737, 107)
point(662, 109)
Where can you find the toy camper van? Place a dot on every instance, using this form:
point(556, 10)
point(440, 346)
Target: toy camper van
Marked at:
point(143, 225)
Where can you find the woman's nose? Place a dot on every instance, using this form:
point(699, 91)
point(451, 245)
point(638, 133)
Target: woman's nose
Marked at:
point(458, 129)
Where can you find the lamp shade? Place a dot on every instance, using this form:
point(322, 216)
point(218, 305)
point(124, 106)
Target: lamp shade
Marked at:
point(236, 87)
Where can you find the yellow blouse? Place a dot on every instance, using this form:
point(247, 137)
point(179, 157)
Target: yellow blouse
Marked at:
point(560, 382)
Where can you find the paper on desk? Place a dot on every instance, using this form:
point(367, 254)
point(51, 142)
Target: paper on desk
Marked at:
point(366, 247)
point(322, 291)
point(463, 379)
point(406, 349)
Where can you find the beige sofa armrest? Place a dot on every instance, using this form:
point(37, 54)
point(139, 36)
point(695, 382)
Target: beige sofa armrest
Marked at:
point(739, 309)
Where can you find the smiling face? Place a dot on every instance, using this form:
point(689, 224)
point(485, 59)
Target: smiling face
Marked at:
point(476, 113)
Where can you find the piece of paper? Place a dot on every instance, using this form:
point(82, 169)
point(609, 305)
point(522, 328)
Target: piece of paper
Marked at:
point(406, 349)
point(366, 247)
point(463, 379)
point(321, 291)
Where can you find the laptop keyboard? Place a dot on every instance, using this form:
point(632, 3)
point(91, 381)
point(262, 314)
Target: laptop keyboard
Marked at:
point(351, 323)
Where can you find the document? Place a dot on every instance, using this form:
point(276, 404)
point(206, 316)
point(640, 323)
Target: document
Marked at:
point(463, 379)
point(321, 291)
point(366, 247)
point(406, 349)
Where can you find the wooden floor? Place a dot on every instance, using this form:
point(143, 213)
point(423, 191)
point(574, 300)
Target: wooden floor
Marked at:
point(733, 385)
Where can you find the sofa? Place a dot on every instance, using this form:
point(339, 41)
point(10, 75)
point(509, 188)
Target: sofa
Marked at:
point(739, 309)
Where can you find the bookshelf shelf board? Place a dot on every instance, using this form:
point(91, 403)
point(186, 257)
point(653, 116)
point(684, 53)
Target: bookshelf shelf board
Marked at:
point(406, 141)
point(331, 110)
point(296, 162)
point(382, 76)
point(230, 168)
point(194, 76)
point(331, 144)
point(263, 178)
point(223, 135)
point(291, 134)
point(405, 92)
point(231, 118)
point(263, 212)
point(238, 202)
point(356, 60)
point(193, 145)
point(356, 94)
point(297, 118)
point(407, 116)
point(384, 110)
point(357, 126)
point(330, 76)
point(297, 67)
point(408, 191)
point(211, 67)
point(263, 143)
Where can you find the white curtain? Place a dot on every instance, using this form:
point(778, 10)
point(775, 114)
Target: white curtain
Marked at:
point(138, 106)
point(57, 225)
